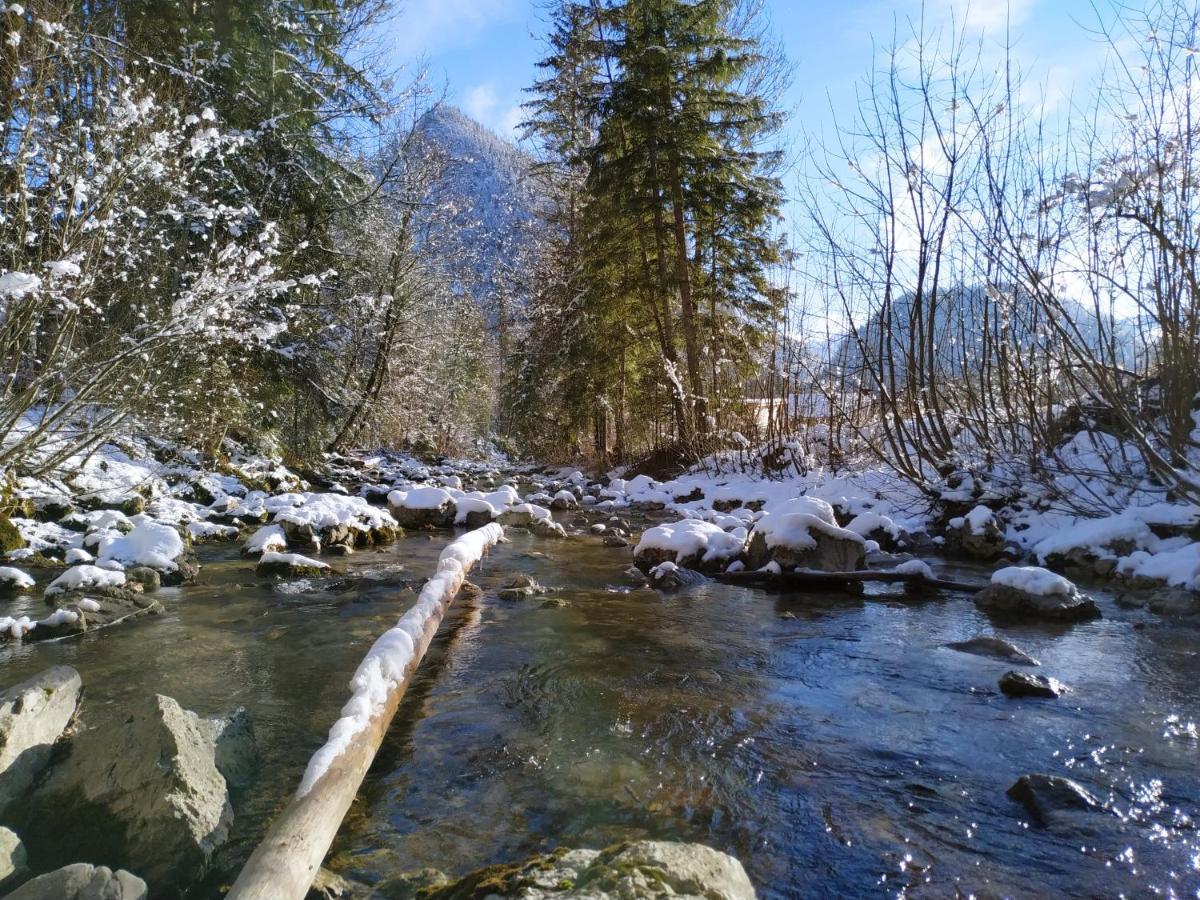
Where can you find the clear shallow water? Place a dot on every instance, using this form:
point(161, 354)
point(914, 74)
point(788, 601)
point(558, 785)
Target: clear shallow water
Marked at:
point(830, 743)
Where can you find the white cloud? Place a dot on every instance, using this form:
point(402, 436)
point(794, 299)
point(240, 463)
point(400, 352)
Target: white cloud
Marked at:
point(480, 101)
point(991, 16)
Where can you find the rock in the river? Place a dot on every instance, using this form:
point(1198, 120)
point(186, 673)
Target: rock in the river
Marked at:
point(521, 587)
point(143, 792)
point(631, 871)
point(804, 541)
point(980, 536)
point(1029, 592)
point(615, 540)
point(1053, 800)
point(329, 885)
point(149, 579)
point(667, 576)
point(33, 716)
point(1025, 684)
point(995, 647)
point(13, 864)
point(96, 611)
point(288, 565)
point(82, 881)
point(422, 507)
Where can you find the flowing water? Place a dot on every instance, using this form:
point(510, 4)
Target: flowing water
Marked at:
point(830, 743)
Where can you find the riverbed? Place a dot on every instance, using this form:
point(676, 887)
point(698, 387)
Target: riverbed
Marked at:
point(831, 743)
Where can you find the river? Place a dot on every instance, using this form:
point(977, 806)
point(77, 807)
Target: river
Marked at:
point(831, 743)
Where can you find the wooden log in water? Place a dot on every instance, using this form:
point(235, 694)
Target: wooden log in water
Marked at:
point(284, 865)
point(809, 579)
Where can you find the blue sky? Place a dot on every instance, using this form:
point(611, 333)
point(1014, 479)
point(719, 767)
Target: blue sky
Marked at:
point(483, 51)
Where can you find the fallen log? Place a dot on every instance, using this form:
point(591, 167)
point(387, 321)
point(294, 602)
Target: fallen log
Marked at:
point(804, 579)
point(283, 866)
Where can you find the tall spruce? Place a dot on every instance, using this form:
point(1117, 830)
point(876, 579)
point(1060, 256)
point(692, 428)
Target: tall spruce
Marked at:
point(673, 221)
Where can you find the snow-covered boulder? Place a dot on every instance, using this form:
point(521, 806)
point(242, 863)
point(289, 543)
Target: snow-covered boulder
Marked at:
point(800, 540)
point(74, 613)
point(1031, 592)
point(422, 507)
point(155, 546)
point(14, 580)
point(85, 578)
point(979, 534)
point(33, 716)
point(327, 520)
point(690, 543)
point(474, 512)
point(268, 539)
point(535, 518)
point(564, 499)
point(289, 565)
point(143, 789)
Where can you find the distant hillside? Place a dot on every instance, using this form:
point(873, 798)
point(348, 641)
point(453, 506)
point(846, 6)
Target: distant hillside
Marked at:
point(483, 211)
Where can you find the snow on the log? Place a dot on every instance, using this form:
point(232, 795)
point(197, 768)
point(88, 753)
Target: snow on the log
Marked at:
point(385, 665)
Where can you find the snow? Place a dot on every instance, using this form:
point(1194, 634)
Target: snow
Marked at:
point(466, 505)
point(78, 555)
point(322, 512)
point(290, 559)
point(15, 578)
point(17, 284)
point(88, 605)
point(1033, 580)
point(420, 498)
point(865, 523)
point(204, 530)
point(691, 537)
point(150, 544)
point(1179, 567)
point(269, 538)
point(915, 567)
point(979, 518)
point(796, 530)
point(398, 650)
point(83, 578)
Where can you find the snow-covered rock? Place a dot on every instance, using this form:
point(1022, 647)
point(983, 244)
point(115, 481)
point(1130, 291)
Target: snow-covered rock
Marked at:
point(268, 539)
point(1031, 592)
point(12, 579)
point(85, 578)
point(324, 520)
point(422, 507)
point(691, 544)
point(288, 565)
point(801, 540)
point(153, 545)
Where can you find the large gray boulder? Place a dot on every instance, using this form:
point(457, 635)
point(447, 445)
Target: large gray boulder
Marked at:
point(629, 871)
point(14, 866)
point(1009, 602)
point(82, 881)
point(833, 550)
point(33, 716)
point(143, 792)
